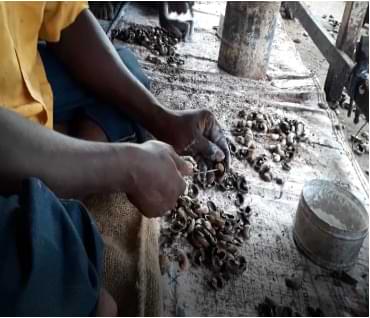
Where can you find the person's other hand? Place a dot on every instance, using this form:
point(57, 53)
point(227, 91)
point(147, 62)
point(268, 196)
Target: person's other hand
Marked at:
point(197, 132)
point(156, 177)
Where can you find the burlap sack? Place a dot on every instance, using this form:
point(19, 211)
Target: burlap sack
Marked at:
point(131, 273)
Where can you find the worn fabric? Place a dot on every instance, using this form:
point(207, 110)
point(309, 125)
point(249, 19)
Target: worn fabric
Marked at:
point(51, 255)
point(71, 100)
point(23, 84)
point(131, 266)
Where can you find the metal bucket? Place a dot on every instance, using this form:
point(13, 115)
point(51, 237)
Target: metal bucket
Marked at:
point(330, 225)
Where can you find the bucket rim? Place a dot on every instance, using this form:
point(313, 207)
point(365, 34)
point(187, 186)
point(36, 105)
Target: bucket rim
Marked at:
point(350, 195)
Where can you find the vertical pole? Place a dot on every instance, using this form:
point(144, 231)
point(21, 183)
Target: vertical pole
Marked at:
point(348, 35)
point(247, 37)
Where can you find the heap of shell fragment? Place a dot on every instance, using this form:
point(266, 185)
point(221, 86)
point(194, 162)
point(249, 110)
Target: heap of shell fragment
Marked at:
point(283, 137)
point(205, 177)
point(360, 144)
point(159, 41)
point(215, 235)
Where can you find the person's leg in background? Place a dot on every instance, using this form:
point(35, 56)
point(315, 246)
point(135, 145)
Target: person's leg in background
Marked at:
point(77, 112)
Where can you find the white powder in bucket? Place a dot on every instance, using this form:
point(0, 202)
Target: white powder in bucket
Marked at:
point(331, 219)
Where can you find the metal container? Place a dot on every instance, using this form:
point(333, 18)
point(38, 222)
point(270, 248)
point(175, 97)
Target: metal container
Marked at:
point(330, 225)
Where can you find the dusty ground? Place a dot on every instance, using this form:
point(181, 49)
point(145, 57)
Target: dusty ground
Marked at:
point(315, 61)
point(271, 253)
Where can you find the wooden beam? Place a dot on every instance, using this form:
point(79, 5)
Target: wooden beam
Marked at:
point(348, 36)
point(321, 37)
point(352, 21)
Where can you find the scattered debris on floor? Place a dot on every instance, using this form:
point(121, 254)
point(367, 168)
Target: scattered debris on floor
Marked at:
point(215, 236)
point(269, 308)
point(159, 41)
point(360, 144)
point(280, 137)
point(334, 25)
point(294, 283)
point(216, 177)
point(343, 102)
point(153, 59)
point(322, 105)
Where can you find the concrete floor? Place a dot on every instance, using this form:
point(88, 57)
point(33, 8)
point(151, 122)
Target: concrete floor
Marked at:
point(315, 61)
point(271, 253)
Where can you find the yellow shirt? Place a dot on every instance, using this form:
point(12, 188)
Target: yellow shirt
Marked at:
point(24, 87)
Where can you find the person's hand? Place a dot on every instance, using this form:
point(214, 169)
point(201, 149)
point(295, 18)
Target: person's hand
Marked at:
point(156, 177)
point(197, 132)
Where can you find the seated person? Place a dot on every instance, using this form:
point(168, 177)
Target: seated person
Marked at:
point(93, 96)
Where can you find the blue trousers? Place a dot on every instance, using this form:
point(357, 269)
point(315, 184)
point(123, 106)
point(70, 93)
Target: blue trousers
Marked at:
point(51, 252)
point(51, 255)
point(72, 100)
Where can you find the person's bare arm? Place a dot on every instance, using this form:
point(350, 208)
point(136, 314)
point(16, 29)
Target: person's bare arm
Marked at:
point(75, 168)
point(69, 166)
point(91, 58)
point(89, 55)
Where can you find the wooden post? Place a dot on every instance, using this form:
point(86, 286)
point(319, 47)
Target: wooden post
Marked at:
point(322, 39)
point(349, 33)
point(247, 37)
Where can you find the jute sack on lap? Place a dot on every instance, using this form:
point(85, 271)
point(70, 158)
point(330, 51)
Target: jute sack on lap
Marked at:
point(131, 271)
